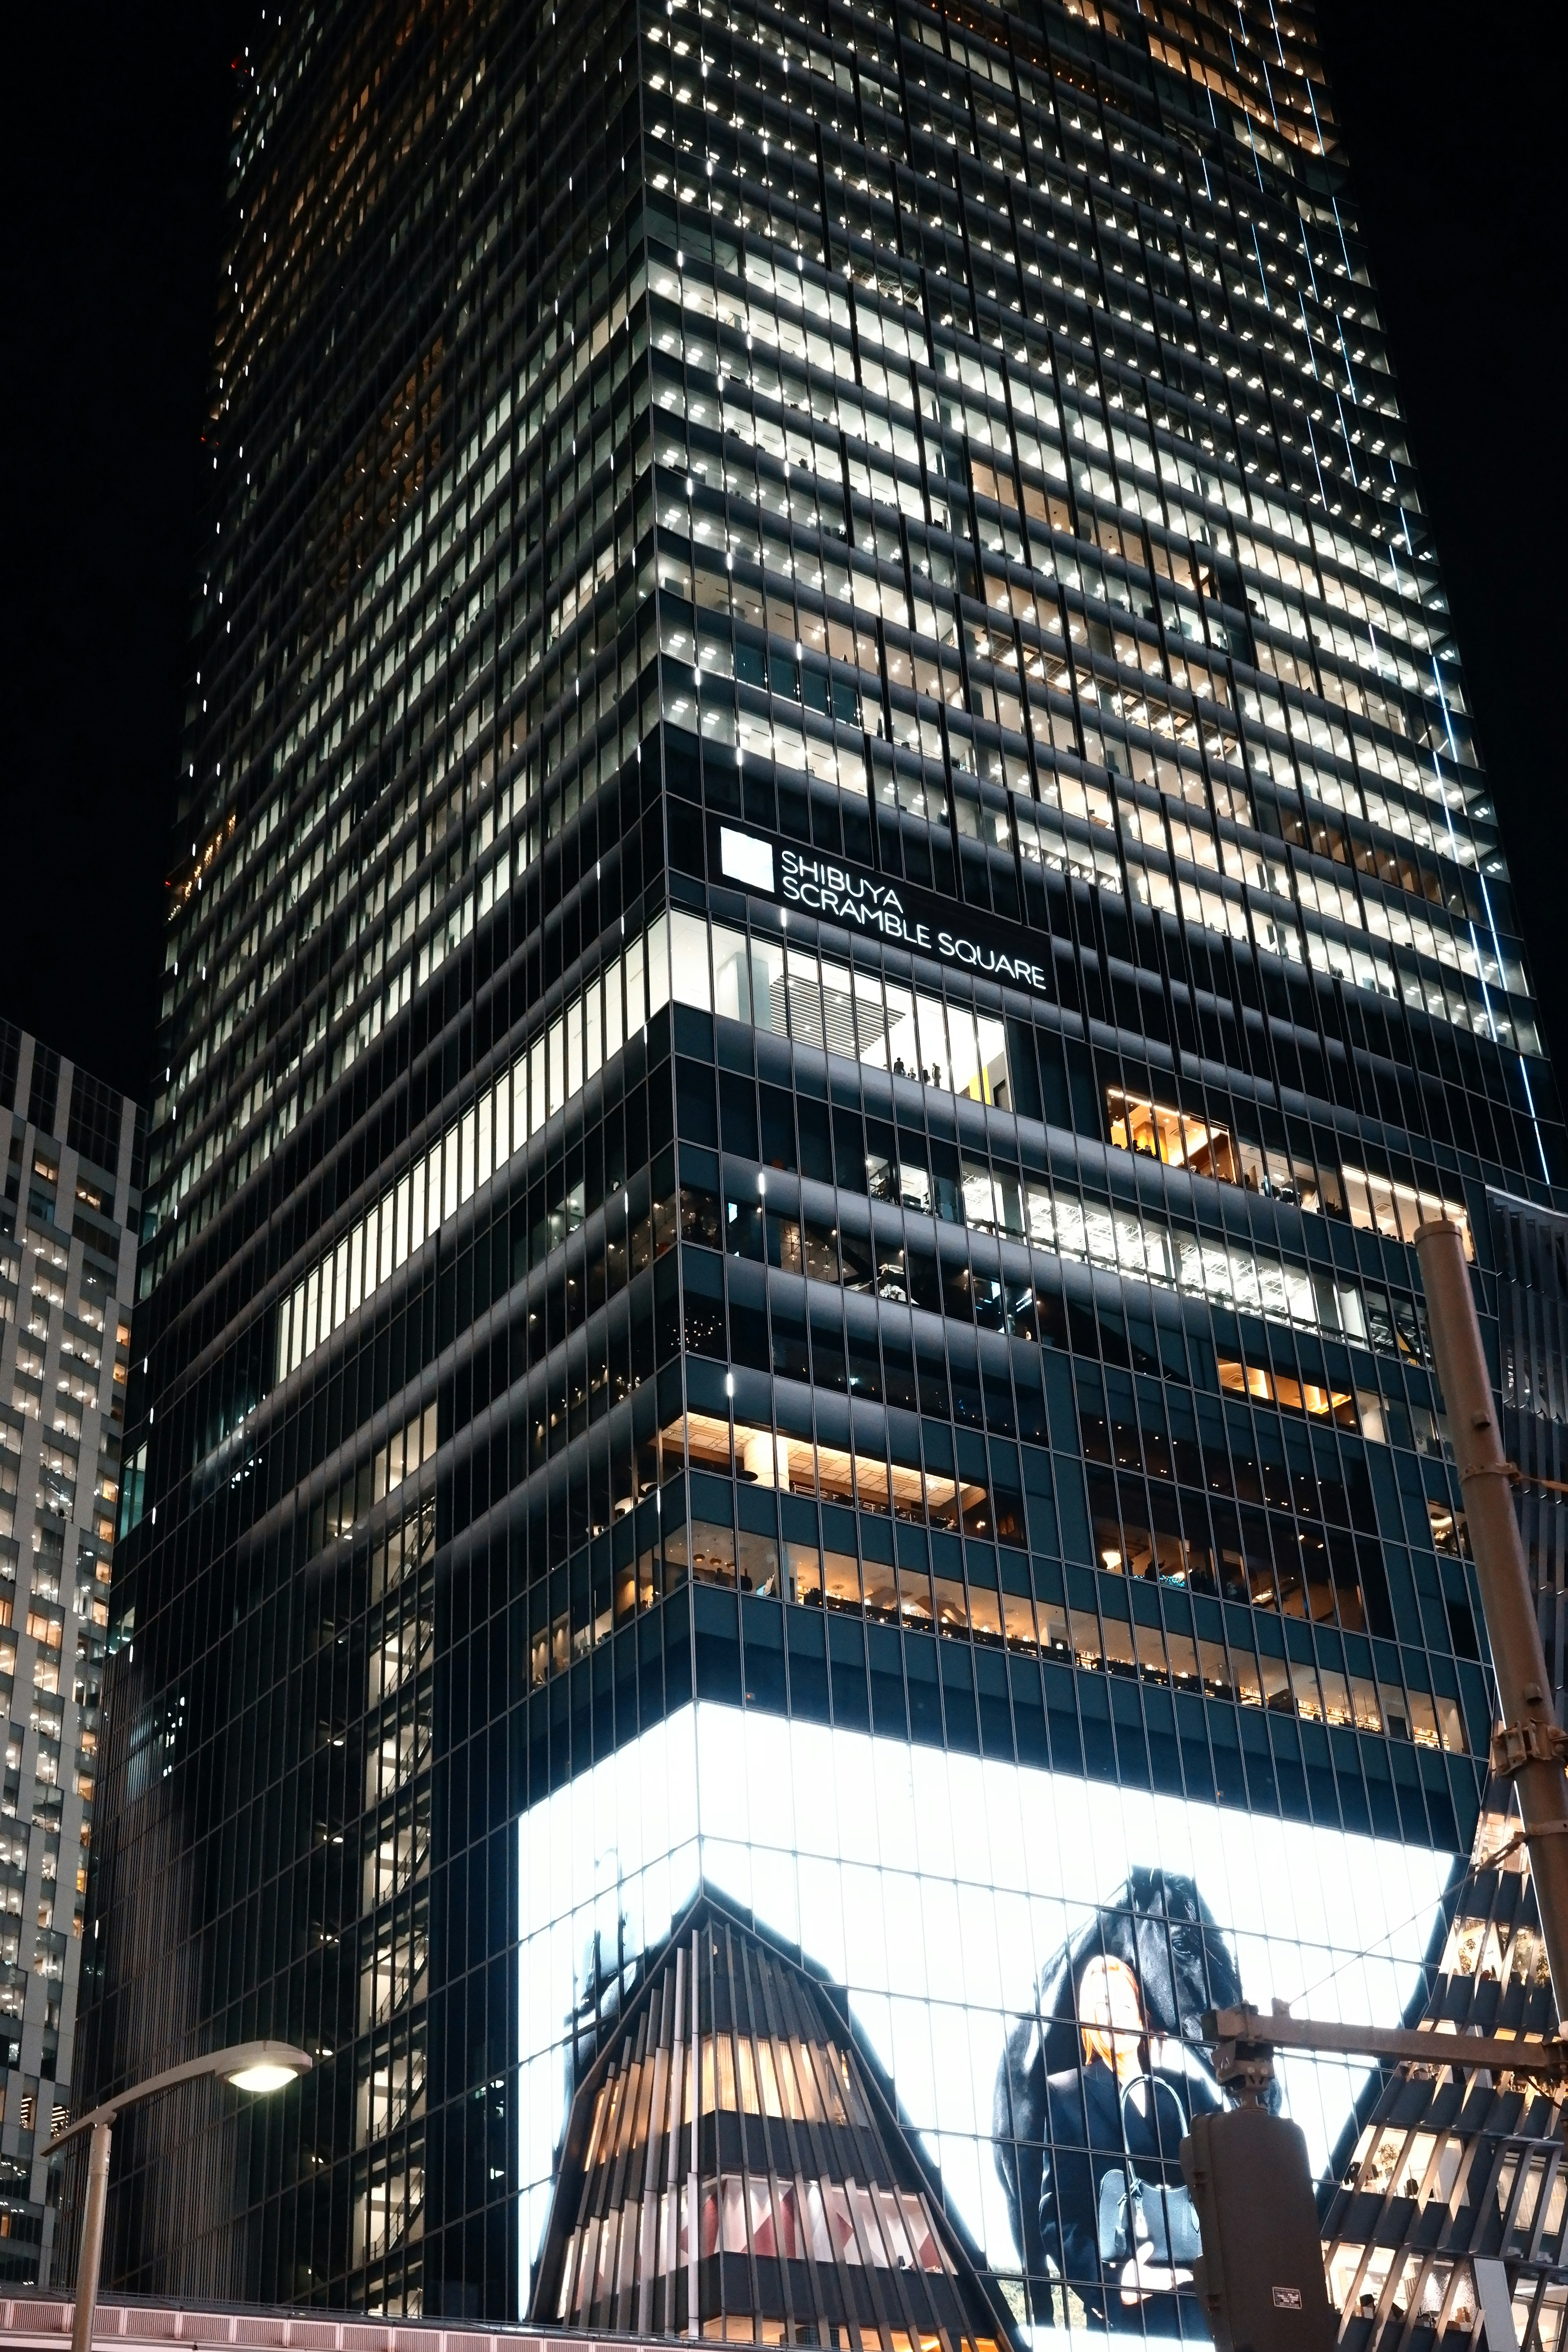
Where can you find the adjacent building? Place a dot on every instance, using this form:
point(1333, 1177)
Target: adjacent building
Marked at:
point(835, 912)
point(69, 1226)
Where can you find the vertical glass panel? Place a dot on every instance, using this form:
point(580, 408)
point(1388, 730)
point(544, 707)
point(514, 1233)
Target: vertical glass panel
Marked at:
point(1018, 1619)
point(803, 1573)
point(841, 1579)
point(1394, 1710)
point(994, 1087)
point(1184, 1659)
point(986, 1613)
point(979, 1205)
point(964, 1044)
point(903, 1044)
point(1423, 1720)
point(768, 1001)
point(1248, 1685)
point(1450, 1725)
point(838, 1010)
point(914, 1597)
point(731, 974)
point(804, 996)
point(873, 1036)
point(689, 960)
point(424, 1216)
point(1083, 1633)
point(658, 966)
point(1304, 1685)
point(934, 1067)
point(881, 1592)
point(637, 987)
point(951, 1605)
point(1336, 1696)
point(467, 1154)
point(573, 1018)
point(557, 1058)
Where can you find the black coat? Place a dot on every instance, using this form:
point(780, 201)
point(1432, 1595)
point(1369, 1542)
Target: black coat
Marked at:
point(1097, 2131)
point(1160, 1925)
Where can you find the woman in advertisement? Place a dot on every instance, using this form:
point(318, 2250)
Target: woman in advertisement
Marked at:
point(1096, 2092)
point(1114, 2210)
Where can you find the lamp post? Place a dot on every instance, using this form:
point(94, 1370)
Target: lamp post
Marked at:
point(262, 2066)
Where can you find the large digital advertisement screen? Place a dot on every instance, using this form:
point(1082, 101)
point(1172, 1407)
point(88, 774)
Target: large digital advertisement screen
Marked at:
point(1022, 1958)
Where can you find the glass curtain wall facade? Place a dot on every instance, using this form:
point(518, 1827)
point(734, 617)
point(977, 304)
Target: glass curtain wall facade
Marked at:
point(70, 1218)
point(835, 912)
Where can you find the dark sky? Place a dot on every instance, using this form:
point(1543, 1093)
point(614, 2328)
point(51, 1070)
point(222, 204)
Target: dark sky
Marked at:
point(119, 121)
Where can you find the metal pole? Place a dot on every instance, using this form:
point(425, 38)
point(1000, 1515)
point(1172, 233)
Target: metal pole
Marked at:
point(91, 2254)
point(1527, 1747)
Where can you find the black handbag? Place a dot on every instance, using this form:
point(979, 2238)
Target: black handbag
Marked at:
point(1134, 2213)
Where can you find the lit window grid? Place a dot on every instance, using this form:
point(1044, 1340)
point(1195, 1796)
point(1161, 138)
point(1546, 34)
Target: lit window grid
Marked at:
point(986, 1202)
point(747, 379)
point(1109, 1624)
point(832, 1007)
point(1362, 968)
point(1393, 920)
point(784, 738)
point(544, 1081)
point(842, 1012)
point(1141, 1511)
point(992, 65)
point(979, 50)
point(64, 1345)
point(974, 1380)
point(540, 1408)
point(446, 933)
point(437, 948)
point(1004, 68)
point(471, 904)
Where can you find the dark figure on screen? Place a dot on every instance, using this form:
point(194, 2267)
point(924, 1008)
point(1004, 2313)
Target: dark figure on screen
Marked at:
point(1096, 2089)
point(1115, 2213)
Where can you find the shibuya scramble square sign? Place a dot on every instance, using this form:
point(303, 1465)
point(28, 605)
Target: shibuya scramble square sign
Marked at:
point(844, 894)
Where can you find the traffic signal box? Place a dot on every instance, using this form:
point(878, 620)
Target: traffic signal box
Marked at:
point(1260, 2279)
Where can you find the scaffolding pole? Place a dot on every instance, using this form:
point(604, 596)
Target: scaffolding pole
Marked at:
point(1527, 1747)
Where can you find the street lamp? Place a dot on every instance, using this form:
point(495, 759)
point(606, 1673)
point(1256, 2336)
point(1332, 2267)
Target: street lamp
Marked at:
point(259, 2066)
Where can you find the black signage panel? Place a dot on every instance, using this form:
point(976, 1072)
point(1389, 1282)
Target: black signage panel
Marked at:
point(835, 892)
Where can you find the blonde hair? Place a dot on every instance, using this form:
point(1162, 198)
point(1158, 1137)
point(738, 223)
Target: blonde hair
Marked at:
point(1116, 2045)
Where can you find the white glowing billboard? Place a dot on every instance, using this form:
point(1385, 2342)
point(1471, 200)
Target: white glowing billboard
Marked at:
point(1023, 1955)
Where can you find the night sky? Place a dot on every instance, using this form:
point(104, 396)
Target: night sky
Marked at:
point(118, 124)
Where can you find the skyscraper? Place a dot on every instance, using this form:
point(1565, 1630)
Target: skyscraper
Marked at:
point(836, 912)
point(68, 1224)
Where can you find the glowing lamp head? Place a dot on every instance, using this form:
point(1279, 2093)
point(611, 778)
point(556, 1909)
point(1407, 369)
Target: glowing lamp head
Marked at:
point(266, 2074)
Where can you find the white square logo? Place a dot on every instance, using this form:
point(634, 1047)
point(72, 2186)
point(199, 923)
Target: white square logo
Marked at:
point(744, 858)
